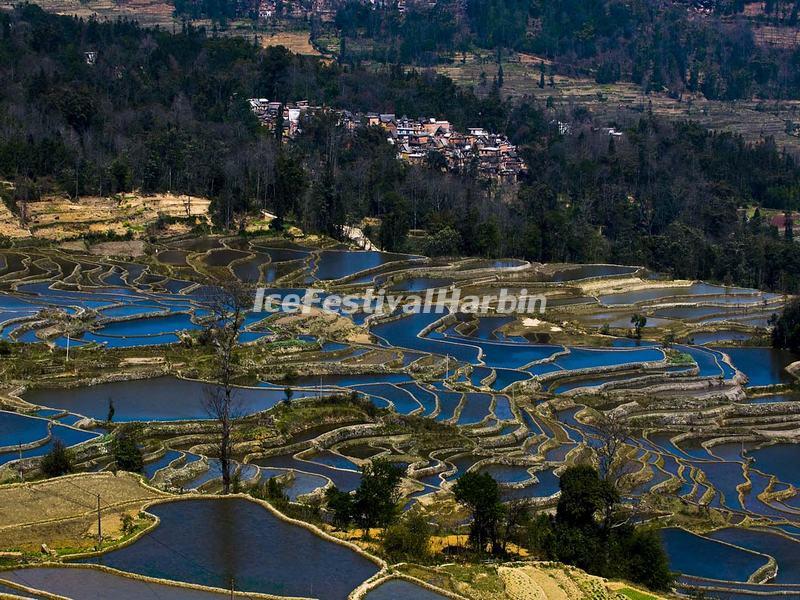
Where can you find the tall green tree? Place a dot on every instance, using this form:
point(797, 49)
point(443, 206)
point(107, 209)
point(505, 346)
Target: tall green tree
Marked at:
point(340, 504)
point(481, 494)
point(375, 502)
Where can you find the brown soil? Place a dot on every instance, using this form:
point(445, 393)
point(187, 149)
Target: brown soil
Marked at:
point(62, 512)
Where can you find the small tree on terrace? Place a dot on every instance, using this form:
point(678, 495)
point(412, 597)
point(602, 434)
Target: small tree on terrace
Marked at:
point(639, 322)
point(111, 410)
point(127, 455)
point(227, 305)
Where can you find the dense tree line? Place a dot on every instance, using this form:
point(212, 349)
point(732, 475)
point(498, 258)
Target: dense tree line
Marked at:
point(786, 331)
point(158, 112)
point(661, 46)
point(589, 531)
point(162, 112)
point(664, 195)
point(418, 36)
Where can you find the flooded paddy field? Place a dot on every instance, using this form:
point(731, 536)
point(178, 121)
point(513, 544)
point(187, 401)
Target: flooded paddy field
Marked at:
point(92, 583)
point(208, 542)
point(160, 399)
point(711, 419)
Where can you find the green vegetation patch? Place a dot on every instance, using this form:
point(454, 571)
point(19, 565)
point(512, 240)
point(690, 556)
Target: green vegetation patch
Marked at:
point(635, 594)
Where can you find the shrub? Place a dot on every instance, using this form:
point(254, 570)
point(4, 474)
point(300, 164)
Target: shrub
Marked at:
point(58, 461)
point(408, 539)
point(128, 524)
point(644, 561)
point(274, 490)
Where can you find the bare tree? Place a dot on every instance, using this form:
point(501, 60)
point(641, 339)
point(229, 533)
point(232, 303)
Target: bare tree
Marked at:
point(227, 304)
point(517, 514)
point(612, 433)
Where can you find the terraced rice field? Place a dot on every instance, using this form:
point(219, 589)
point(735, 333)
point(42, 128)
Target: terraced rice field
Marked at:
point(711, 423)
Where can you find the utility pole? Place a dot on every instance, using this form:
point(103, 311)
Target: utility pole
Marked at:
point(20, 467)
point(232, 589)
point(99, 525)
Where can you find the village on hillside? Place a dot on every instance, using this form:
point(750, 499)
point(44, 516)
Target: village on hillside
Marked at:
point(487, 155)
point(326, 9)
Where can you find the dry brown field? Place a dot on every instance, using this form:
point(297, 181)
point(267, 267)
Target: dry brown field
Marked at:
point(619, 102)
point(61, 513)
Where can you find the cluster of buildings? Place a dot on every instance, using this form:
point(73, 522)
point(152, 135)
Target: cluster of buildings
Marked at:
point(485, 154)
point(270, 113)
point(297, 9)
point(436, 142)
point(325, 10)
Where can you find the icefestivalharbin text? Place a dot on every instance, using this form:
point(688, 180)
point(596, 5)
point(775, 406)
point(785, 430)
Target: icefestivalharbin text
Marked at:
point(378, 302)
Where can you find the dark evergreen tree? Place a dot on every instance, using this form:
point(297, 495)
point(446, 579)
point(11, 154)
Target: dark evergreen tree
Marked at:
point(125, 449)
point(58, 461)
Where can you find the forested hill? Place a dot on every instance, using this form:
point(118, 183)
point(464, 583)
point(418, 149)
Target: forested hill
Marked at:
point(681, 47)
point(159, 112)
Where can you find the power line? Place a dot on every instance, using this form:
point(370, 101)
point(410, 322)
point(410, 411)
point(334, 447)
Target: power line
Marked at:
point(85, 491)
point(61, 496)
